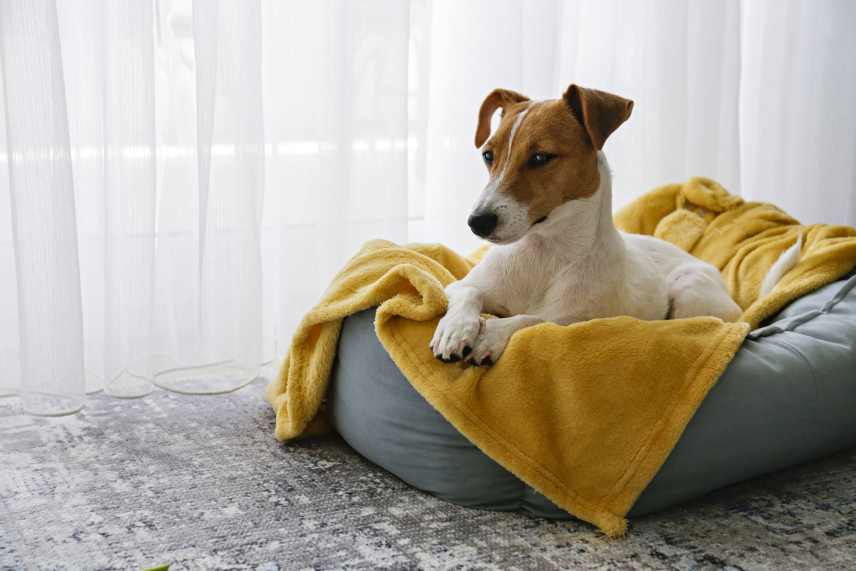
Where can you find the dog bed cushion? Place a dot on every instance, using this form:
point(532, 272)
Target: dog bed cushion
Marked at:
point(787, 397)
point(586, 414)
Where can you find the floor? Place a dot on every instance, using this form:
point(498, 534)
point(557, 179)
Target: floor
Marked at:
point(199, 482)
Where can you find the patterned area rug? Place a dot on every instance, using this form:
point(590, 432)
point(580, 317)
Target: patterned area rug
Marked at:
point(199, 482)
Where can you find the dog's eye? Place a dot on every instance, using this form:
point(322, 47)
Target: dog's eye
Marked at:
point(488, 157)
point(540, 159)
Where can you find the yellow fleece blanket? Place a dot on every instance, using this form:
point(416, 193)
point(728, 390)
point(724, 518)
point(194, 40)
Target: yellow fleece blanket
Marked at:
point(587, 413)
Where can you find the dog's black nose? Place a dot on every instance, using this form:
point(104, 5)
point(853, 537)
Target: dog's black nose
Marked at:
point(483, 224)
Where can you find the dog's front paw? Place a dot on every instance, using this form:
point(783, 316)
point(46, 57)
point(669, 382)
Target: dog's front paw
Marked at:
point(490, 343)
point(454, 337)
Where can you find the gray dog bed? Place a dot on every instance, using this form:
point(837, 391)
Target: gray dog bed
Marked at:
point(789, 396)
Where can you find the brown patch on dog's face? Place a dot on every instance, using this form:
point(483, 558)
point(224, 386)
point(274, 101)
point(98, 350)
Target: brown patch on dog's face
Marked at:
point(542, 155)
point(551, 160)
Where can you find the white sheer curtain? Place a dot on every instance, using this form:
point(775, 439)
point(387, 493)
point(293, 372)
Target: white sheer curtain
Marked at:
point(179, 180)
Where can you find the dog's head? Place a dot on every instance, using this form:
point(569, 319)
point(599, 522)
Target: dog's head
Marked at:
point(542, 155)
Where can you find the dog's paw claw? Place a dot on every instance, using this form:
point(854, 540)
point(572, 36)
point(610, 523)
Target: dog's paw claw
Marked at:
point(486, 362)
point(454, 337)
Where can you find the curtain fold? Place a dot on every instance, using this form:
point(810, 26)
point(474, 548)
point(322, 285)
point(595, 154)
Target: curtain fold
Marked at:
point(219, 349)
point(45, 337)
point(337, 120)
point(107, 50)
point(180, 180)
point(798, 118)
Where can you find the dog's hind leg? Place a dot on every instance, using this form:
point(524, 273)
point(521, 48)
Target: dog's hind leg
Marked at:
point(696, 289)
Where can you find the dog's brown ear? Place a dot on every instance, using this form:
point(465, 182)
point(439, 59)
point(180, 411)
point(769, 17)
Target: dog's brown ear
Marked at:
point(495, 99)
point(600, 112)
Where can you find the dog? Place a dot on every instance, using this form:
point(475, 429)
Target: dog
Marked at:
point(557, 256)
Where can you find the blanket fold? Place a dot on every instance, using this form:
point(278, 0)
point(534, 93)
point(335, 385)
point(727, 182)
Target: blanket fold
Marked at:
point(586, 414)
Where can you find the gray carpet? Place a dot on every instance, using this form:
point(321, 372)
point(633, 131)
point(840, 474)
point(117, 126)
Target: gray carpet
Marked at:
point(199, 482)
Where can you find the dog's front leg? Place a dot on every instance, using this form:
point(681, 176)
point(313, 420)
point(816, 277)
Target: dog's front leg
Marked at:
point(494, 336)
point(457, 331)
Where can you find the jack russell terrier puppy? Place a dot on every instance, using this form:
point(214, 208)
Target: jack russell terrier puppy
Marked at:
point(558, 257)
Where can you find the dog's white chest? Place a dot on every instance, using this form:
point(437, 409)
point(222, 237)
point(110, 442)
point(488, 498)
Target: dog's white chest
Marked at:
point(526, 282)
